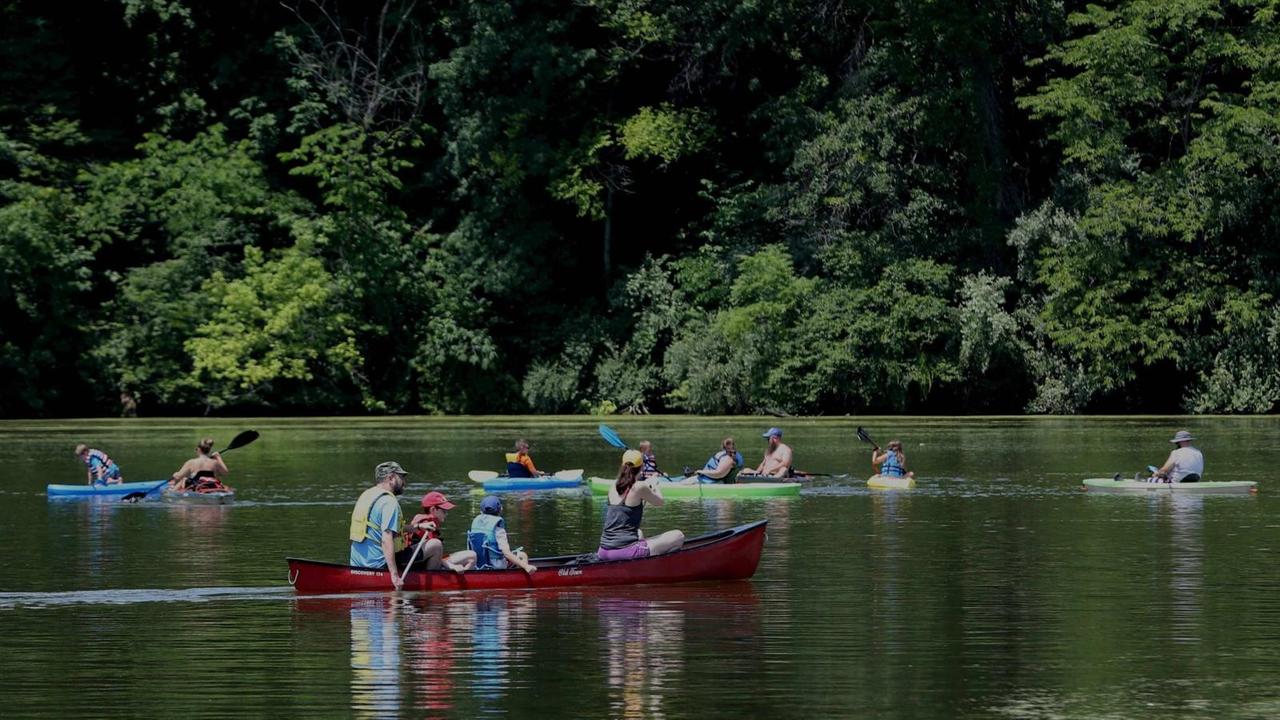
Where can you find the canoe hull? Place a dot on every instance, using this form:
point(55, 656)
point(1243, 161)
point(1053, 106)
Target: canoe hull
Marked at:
point(1139, 487)
point(510, 484)
point(199, 498)
point(731, 554)
point(600, 486)
point(104, 491)
point(891, 482)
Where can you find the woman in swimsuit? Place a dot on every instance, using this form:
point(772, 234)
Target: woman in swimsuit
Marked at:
point(204, 467)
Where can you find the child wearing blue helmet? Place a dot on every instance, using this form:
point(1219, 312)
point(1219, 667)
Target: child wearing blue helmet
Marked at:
point(488, 538)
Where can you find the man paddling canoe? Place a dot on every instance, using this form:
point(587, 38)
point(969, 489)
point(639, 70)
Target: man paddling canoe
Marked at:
point(102, 469)
point(376, 531)
point(777, 457)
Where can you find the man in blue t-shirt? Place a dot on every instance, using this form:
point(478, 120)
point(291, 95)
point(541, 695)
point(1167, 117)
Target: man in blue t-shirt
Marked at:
point(376, 521)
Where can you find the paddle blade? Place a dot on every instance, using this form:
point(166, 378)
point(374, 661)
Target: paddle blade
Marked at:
point(864, 437)
point(482, 475)
point(242, 439)
point(611, 437)
point(568, 474)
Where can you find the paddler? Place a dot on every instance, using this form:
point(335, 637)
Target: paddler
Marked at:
point(519, 464)
point(1185, 463)
point(892, 462)
point(622, 538)
point(376, 531)
point(650, 466)
point(723, 465)
point(425, 530)
point(206, 468)
point(777, 456)
point(488, 540)
point(102, 469)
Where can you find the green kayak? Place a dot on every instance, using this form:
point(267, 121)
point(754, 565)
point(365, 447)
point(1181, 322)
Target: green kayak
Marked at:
point(1142, 487)
point(600, 486)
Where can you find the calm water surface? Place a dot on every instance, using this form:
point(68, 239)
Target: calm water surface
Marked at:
point(996, 589)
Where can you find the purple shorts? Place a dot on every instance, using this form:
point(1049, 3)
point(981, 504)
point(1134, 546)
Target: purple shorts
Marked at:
point(637, 549)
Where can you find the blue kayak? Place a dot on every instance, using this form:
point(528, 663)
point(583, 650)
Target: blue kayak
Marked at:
point(105, 491)
point(510, 484)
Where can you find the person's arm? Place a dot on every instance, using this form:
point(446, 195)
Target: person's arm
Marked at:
point(528, 463)
point(722, 468)
point(181, 474)
point(504, 544)
point(649, 492)
point(1167, 467)
point(221, 470)
point(878, 457)
point(389, 552)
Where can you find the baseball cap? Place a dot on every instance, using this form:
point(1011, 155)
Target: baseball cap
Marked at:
point(491, 505)
point(632, 458)
point(773, 432)
point(381, 472)
point(434, 498)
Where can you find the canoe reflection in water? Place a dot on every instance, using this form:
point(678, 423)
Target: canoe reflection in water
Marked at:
point(375, 658)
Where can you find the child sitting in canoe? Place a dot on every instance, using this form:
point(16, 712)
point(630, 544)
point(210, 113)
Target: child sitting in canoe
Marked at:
point(488, 540)
point(424, 529)
point(519, 464)
point(892, 462)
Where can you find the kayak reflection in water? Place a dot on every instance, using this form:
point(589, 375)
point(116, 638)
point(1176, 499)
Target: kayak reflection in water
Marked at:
point(102, 469)
point(777, 457)
point(622, 538)
point(425, 531)
point(488, 540)
point(202, 472)
point(722, 466)
point(892, 462)
point(1185, 463)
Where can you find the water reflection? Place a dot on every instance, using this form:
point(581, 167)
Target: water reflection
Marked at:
point(375, 658)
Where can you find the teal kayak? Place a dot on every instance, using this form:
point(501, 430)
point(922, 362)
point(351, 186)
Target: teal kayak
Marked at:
point(1142, 487)
point(116, 491)
point(600, 486)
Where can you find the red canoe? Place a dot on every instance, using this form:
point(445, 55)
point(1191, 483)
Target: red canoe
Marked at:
point(731, 554)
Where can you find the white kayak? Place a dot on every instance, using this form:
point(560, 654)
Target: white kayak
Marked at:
point(891, 482)
point(1142, 487)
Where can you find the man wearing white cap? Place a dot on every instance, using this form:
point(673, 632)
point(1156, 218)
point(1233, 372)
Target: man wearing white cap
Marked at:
point(1185, 463)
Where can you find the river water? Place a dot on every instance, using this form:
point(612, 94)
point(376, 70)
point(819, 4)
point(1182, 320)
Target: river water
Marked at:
point(996, 589)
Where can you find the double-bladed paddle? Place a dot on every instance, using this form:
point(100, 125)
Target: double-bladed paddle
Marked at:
point(864, 437)
point(237, 442)
point(483, 476)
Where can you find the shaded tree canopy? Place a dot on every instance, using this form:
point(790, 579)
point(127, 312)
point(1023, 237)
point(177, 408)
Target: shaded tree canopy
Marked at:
point(801, 206)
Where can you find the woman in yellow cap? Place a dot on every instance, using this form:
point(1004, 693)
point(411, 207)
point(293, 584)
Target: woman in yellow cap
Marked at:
point(622, 538)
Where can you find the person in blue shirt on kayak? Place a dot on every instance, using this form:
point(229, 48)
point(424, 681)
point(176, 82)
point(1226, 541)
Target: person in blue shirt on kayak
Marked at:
point(892, 462)
point(488, 540)
point(723, 465)
point(102, 469)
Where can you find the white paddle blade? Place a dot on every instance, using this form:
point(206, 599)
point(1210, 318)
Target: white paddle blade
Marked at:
point(482, 475)
point(568, 474)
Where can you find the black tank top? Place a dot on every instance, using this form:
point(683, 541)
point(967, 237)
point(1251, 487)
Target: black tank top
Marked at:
point(621, 525)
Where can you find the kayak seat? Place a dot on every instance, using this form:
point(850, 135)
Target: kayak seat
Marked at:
point(1193, 477)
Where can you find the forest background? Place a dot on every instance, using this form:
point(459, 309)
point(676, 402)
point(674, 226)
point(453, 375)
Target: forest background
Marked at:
point(711, 206)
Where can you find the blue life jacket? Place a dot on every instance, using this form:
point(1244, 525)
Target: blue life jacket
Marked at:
point(483, 541)
point(102, 467)
point(891, 466)
point(515, 469)
point(714, 462)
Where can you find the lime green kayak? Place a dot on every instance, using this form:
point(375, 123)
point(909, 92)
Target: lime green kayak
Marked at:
point(1142, 487)
point(600, 486)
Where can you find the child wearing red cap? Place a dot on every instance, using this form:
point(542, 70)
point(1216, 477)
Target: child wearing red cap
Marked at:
point(425, 531)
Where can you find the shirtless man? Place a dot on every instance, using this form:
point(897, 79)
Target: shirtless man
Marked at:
point(777, 458)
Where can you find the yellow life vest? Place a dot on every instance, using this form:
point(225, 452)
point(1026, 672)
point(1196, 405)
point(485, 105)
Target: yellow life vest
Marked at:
point(513, 457)
point(360, 517)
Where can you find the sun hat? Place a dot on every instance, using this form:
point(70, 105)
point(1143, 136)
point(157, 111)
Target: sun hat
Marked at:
point(381, 472)
point(773, 432)
point(1181, 436)
point(491, 505)
point(632, 458)
point(435, 498)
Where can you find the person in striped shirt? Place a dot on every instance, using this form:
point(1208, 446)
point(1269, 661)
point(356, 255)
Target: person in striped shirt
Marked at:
point(102, 469)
